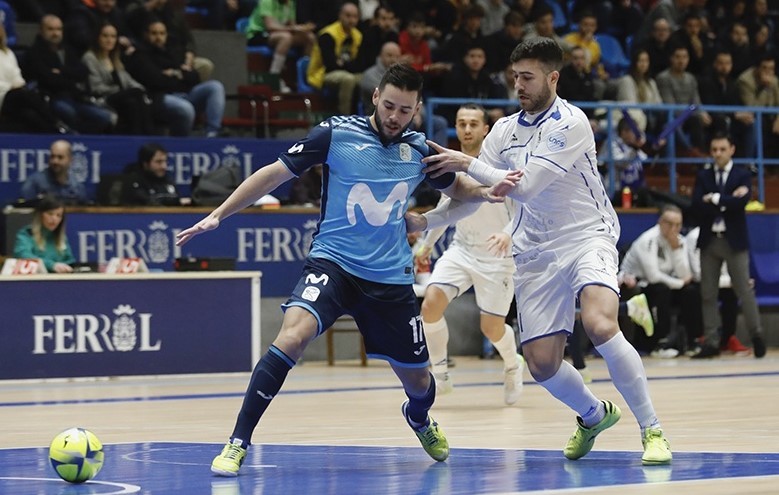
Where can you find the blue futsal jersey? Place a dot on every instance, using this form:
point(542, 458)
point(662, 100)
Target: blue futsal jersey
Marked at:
point(366, 186)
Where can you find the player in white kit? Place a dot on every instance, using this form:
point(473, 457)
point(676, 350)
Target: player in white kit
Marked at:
point(564, 239)
point(479, 256)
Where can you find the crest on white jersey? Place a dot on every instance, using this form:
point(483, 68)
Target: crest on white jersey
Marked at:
point(405, 152)
point(556, 141)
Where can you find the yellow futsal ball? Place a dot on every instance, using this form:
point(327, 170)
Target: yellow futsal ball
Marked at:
point(76, 454)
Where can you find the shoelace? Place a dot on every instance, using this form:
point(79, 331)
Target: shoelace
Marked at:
point(429, 435)
point(233, 452)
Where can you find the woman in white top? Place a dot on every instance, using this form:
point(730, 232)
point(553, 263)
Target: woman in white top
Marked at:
point(21, 109)
point(113, 87)
point(638, 86)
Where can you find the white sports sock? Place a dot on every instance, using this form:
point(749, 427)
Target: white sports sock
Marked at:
point(568, 387)
point(507, 348)
point(437, 338)
point(628, 374)
point(277, 64)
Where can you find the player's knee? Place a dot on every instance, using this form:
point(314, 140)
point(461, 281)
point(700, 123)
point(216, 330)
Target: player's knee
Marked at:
point(599, 327)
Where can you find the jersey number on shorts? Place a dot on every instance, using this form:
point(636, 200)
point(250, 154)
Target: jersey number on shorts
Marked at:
point(416, 329)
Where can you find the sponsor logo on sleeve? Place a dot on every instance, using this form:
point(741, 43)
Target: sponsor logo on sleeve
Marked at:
point(556, 141)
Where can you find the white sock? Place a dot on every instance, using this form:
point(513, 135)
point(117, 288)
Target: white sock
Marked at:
point(568, 387)
point(277, 64)
point(507, 348)
point(628, 374)
point(437, 338)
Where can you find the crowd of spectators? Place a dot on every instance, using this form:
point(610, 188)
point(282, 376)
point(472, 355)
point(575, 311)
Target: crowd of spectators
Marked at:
point(677, 48)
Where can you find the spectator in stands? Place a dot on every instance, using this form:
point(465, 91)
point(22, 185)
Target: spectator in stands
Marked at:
point(45, 237)
point(273, 24)
point(62, 77)
point(658, 47)
point(761, 17)
point(626, 20)
point(677, 86)
point(736, 43)
point(180, 41)
point(500, 44)
point(8, 22)
point(657, 265)
point(390, 54)
point(183, 94)
point(416, 51)
point(577, 82)
point(758, 87)
point(114, 88)
point(334, 57)
point(440, 19)
point(383, 29)
point(720, 195)
point(638, 86)
point(726, 299)
point(629, 160)
point(470, 79)
point(147, 183)
point(83, 24)
point(56, 180)
point(698, 45)
point(672, 11)
point(762, 44)
point(718, 87)
point(543, 26)
point(22, 109)
point(495, 12)
point(585, 38)
point(468, 35)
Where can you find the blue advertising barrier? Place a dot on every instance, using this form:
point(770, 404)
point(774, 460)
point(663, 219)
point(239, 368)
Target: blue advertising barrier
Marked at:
point(22, 155)
point(275, 243)
point(143, 324)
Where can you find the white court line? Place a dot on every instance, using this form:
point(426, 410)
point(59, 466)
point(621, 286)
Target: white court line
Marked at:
point(149, 461)
point(125, 487)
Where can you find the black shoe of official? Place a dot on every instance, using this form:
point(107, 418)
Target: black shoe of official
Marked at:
point(758, 346)
point(707, 351)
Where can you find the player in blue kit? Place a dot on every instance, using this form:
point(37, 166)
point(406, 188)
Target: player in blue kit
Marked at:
point(360, 262)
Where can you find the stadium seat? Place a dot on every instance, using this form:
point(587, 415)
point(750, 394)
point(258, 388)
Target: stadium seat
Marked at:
point(560, 22)
point(612, 56)
point(302, 69)
point(241, 25)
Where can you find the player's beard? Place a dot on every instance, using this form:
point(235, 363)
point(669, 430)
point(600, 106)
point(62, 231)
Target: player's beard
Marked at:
point(537, 103)
point(385, 138)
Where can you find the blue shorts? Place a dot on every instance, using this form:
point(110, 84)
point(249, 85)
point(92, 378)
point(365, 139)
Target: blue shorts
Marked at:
point(386, 314)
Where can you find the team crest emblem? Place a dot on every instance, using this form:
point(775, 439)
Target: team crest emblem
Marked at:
point(310, 293)
point(556, 141)
point(405, 152)
point(124, 328)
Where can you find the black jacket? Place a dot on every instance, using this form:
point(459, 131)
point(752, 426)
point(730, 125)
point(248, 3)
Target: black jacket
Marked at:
point(68, 80)
point(730, 208)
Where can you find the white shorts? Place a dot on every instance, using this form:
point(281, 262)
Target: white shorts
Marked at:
point(548, 282)
point(457, 270)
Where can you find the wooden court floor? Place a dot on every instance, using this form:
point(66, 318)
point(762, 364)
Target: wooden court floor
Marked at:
point(719, 415)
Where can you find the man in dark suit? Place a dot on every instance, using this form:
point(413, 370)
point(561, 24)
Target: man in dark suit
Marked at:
point(721, 193)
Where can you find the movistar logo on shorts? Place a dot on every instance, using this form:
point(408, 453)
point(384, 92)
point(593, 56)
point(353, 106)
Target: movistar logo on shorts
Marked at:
point(376, 212)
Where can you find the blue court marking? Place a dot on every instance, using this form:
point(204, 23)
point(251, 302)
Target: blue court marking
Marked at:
point(183, 468)
point(225, 395)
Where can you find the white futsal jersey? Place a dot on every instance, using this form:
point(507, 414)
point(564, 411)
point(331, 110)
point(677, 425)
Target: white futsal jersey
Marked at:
point(471, 233)
point(574, 207)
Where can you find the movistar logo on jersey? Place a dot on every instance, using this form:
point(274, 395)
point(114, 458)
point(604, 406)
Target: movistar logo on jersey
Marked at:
point(376, 212)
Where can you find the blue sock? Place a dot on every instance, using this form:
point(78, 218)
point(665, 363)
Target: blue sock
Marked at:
point(267, 378)
point(416, 411)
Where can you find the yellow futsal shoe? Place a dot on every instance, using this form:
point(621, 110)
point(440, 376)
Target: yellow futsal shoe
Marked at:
point(431, 437)
point(656, 448)
point(581, 442)
point(641, 314)
point(229, 461)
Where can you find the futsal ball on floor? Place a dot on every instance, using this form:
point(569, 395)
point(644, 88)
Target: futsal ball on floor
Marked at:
point(76, 454)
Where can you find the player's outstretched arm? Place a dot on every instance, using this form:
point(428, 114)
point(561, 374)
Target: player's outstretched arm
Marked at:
point(253, 188)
